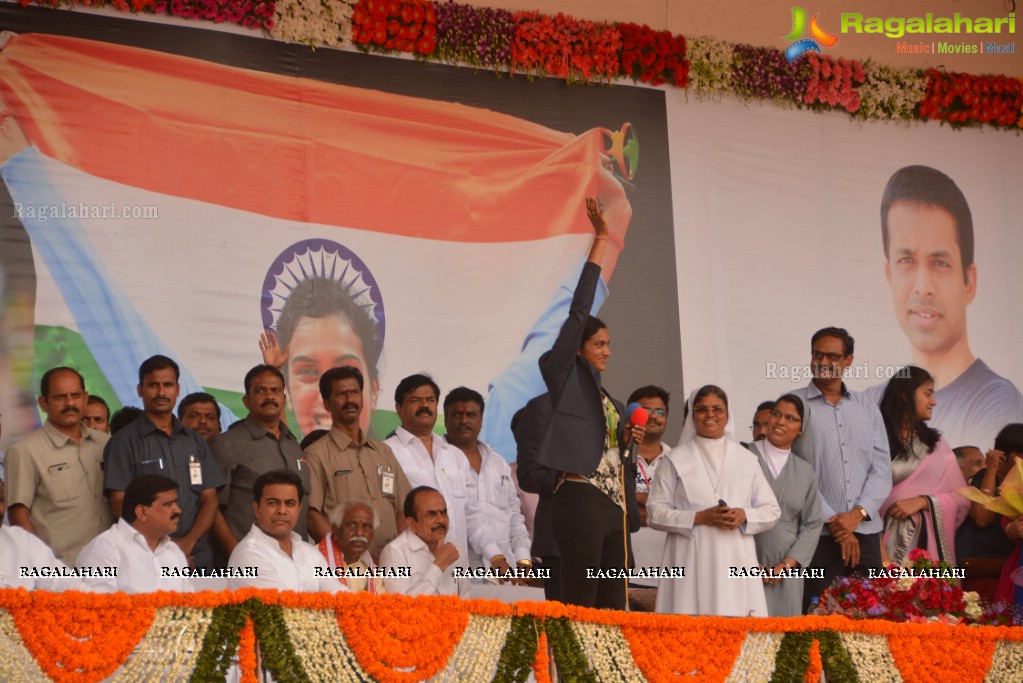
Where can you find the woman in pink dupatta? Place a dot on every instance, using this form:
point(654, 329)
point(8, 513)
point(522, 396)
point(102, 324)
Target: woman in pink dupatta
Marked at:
point(923, 509)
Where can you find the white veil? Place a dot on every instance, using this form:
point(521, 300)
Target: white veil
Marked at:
point(689, 429)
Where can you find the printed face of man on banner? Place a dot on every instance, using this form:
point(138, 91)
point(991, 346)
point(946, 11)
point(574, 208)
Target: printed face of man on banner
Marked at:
point(925, 270)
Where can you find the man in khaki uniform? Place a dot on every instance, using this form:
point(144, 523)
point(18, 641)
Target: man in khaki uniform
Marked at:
point(347, 465)
point(54, 475)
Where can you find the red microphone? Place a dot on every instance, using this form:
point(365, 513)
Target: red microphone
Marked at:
point(638, 416)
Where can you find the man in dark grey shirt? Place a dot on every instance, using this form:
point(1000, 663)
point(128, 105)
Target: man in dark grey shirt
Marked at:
point(251, 447)
point(157, 443)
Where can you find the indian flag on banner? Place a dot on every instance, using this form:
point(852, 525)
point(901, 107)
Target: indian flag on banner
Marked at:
point(175, 204)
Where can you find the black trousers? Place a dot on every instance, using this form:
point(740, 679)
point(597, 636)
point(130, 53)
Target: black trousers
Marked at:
point(828, 557)
point(590, 532)
point(552, 586)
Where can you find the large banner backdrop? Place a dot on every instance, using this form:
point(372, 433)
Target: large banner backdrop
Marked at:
point(181, 190)
point(184, 190)
point(778, 234)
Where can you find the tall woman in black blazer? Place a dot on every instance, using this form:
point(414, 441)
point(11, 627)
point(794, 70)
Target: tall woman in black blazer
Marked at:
point(594, 504)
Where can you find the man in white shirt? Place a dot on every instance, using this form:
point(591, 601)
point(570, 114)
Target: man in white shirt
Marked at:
point(272, 555)
point(498, 498)
point(428, 460)
point(27, 562)
point(422, 549)
point(138, 548)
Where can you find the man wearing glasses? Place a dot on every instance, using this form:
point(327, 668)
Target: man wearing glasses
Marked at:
point(849, 447)
point(252, 447)
point(648, 543)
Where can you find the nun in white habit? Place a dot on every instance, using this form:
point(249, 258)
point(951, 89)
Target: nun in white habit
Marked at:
point(713, 542)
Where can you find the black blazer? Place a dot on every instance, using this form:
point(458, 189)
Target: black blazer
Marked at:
point(529, 426)
point(574, 437)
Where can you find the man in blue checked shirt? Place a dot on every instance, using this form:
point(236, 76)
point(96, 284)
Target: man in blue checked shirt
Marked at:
point(847, 441)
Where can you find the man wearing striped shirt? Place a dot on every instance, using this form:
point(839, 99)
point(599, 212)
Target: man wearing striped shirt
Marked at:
point(849, 449)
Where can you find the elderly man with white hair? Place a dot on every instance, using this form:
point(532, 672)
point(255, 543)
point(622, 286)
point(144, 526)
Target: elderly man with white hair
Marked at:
point(346, 547)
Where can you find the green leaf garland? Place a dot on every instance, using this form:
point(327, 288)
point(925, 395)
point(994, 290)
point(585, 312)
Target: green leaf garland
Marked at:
point(519, 651)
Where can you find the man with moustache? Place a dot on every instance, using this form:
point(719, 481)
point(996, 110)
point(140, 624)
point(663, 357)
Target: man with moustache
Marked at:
point(346, 547)
point(54, 476)
point(647, 543)
point(272, 555)
point(258, 444)
point(498, 497)
point(347, 465)
point(423, 548)
point(428, 460)
point(849, 451)
point(139, 547)
point(200, 412)
point(157, 443)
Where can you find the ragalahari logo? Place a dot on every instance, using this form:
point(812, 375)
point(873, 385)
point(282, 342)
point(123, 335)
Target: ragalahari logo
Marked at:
point(818, 36)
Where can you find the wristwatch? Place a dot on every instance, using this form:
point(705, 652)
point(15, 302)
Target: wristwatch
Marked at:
point(860, 509)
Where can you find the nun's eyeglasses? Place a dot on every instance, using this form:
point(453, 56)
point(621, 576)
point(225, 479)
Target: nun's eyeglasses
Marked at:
point(713, 410)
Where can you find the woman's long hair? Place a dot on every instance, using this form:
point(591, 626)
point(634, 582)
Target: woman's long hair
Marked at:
point(898, 408)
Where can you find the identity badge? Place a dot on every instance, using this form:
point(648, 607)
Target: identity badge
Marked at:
point(194, 471)
point(387, 483)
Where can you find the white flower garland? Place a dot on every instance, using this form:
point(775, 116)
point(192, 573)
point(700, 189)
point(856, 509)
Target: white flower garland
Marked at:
point(168, 650)
point(1006, 663)
point(314, 22)
point(608, 652)
point(710, 65)
point(475, 657)
point(322, 647)
point(17, 665)
point(890, 93)
point(755, 663)
point(871, 657)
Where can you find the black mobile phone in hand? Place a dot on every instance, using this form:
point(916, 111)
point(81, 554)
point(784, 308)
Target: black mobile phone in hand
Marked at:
point(722, 503)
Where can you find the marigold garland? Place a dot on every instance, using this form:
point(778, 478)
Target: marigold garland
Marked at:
point(79, 641)
point(703, 652)
point(848, 650)
point(247, 652)
point(940, 657)
point(404, 636)
point(542, 663)
point(813, 671)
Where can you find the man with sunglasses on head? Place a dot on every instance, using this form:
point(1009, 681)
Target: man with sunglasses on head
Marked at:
point(648, 543)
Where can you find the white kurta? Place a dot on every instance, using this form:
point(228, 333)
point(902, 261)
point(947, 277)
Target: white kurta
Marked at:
point(688, 481)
